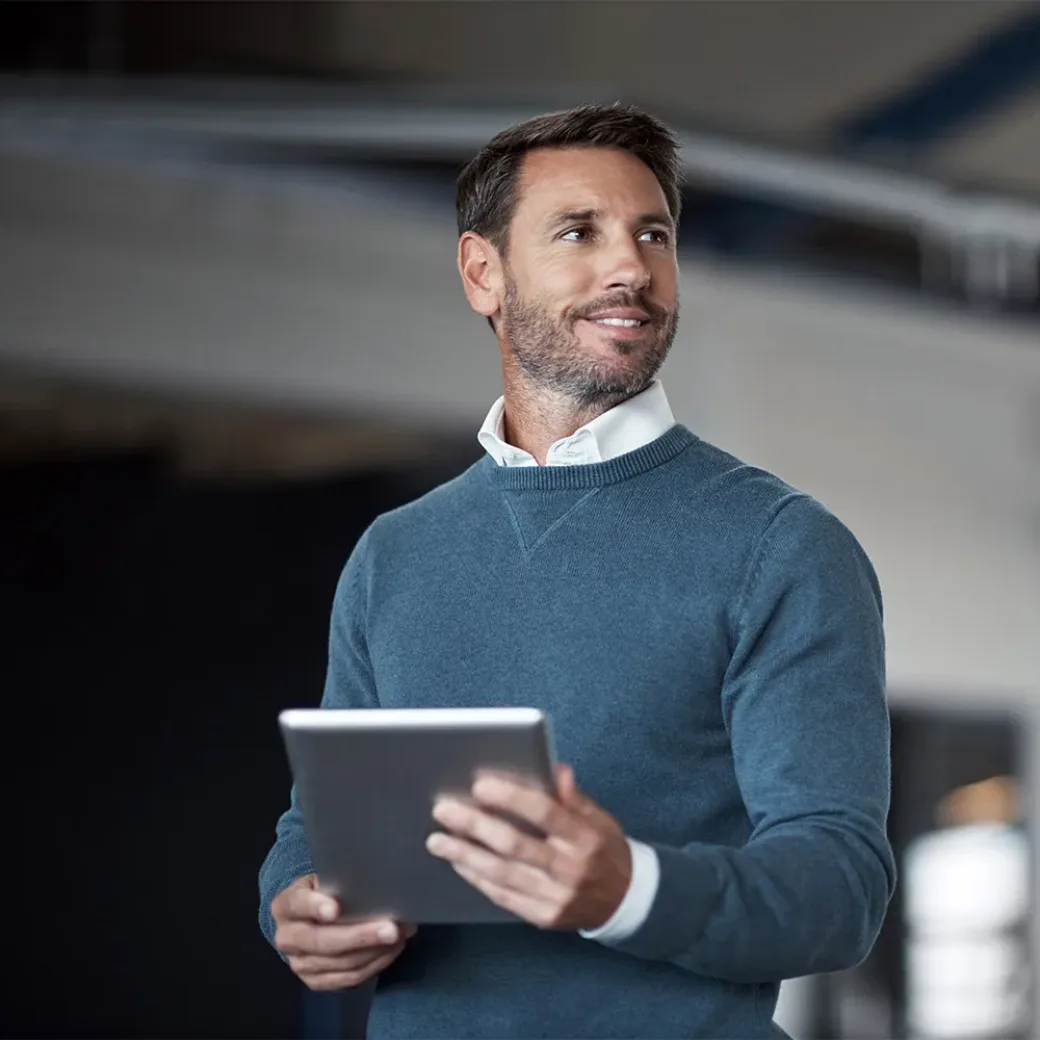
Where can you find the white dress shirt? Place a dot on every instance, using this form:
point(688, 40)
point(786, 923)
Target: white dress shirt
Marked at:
point(624, 428)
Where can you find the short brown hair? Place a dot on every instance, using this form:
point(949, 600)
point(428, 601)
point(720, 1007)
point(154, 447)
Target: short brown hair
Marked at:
point(485, 196)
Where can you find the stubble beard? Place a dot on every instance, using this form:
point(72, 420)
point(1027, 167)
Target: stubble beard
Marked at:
point(551, 355)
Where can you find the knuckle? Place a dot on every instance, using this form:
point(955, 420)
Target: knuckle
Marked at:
point(593, 842)
point(327, 945)
point(511, 876)
point(542, 814)
point(585, 858)
point(497, 870)
point(557, 864)
point(512, 842)
point(568, 874)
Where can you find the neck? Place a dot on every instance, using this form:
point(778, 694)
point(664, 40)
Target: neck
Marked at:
point(535, 417)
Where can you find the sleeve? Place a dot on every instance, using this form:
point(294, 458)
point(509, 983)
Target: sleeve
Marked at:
point(349, 683)
point(804, 703)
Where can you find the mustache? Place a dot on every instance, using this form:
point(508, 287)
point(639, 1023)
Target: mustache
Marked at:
point(658, 315)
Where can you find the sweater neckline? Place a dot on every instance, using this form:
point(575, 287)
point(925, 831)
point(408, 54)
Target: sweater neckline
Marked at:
point(596, 474)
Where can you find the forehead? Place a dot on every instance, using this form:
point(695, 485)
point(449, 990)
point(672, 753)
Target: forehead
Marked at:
point(605, 179)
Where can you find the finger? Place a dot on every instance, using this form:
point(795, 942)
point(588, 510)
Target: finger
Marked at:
point(301, 938)
point(316, 964)
point(331, 981)
point(571, 796)
point(303, 903)
point(565, 786)
point(530, 804)
point(521, 877)
point(540, 912)
point(495, 833)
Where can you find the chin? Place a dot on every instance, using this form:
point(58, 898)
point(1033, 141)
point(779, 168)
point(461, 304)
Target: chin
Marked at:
point(617, 382)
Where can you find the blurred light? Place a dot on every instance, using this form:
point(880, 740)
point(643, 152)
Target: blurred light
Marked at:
point(967, 894)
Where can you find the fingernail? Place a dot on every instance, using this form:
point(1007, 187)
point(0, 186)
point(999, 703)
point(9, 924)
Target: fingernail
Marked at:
point(327, 910)
point(387, 933)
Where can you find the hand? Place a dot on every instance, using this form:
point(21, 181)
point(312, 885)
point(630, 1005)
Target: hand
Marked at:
point(326, 954)
point(573, 879)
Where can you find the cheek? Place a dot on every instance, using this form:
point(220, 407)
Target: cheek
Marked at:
point(565, 279)
point(665, 281)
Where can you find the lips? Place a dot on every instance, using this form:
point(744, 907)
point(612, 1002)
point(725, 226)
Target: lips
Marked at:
point(626, 317)
point(619, 323)
point(617, 329)
point(620, 317)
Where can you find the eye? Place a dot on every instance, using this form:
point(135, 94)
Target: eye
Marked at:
point(659, 236)
point(581, 234)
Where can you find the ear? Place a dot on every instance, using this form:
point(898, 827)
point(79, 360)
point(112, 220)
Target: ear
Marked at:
point(481, 269)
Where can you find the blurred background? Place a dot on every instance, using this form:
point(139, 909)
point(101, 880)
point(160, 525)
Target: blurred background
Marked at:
point(231, 333)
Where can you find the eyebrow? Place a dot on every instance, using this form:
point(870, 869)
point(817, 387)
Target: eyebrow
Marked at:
point(588, 216)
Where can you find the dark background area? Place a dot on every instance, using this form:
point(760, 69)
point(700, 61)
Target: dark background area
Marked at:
point(153, 628)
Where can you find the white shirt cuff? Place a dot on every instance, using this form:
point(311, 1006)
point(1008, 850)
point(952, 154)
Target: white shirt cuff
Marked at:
point(635, 907)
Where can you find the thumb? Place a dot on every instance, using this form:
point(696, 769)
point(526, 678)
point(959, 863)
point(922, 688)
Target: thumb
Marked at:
point(566, 788)
point(571, 797)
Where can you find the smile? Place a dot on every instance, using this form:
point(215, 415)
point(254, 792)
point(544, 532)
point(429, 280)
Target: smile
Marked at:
point(615, 329)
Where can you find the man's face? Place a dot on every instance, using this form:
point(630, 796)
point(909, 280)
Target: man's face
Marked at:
point(590, 304)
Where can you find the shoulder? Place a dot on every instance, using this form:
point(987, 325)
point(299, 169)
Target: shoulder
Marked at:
point(768, 517)
point(430, 515)
point(744, 497)
point(396, 537)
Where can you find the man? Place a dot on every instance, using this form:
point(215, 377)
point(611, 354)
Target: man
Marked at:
point(706, 639)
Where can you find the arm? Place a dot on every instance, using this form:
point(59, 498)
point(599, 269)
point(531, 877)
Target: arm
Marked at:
point(348, 684)
point(804, 703)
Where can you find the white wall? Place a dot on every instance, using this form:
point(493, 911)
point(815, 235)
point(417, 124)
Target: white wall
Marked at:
point(912, 424)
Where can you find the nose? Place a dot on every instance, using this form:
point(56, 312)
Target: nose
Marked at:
point(626, 267)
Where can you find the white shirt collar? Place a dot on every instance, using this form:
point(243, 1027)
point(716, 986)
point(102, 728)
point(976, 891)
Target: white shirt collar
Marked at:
point(624, 428)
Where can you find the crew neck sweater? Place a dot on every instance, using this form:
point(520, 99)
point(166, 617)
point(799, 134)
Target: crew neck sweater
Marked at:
point(707, 642)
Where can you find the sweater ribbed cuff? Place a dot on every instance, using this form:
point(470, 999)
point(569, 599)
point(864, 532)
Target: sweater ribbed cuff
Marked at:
point(287, 862)
point(685, 891)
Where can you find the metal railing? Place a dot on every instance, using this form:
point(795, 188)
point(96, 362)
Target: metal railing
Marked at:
point(988, 245)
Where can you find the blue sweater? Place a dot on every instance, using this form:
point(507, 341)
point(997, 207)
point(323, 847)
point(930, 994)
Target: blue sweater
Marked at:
point(708, 644)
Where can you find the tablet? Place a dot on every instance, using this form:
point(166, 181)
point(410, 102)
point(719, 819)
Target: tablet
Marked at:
point(367, 781)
